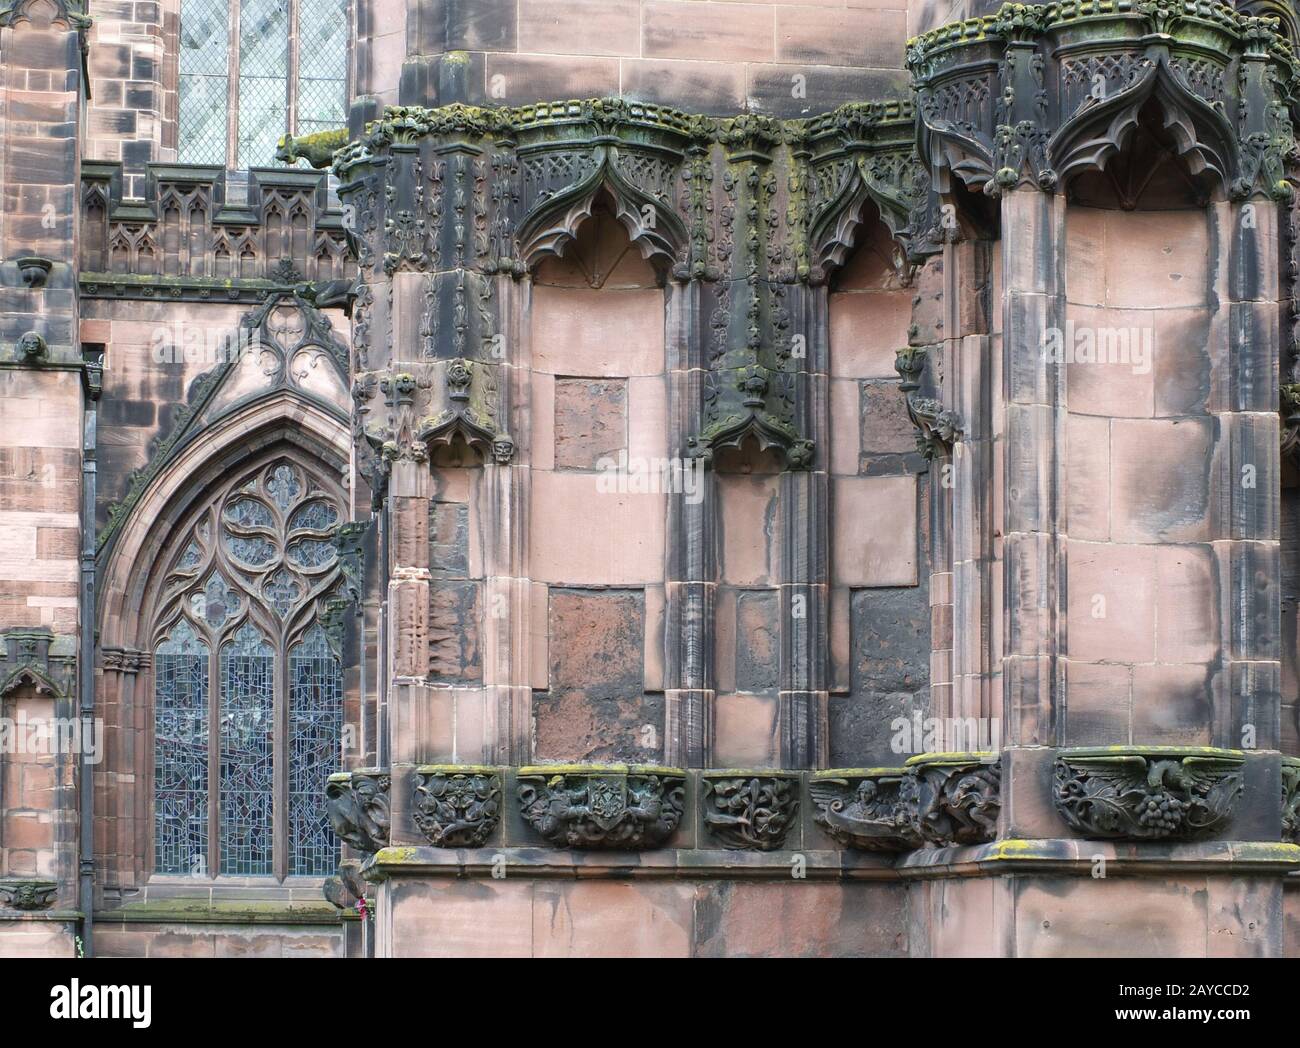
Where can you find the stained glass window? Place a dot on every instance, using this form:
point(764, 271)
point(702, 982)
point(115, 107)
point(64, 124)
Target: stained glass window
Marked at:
point(181, 752)
point(247, 760)
point(315, 722)
point(281, 64)
point(244, 629)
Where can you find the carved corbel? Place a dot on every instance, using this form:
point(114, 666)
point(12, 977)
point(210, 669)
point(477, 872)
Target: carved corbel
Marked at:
point(457, 806)
point(955, 797)
point(18, 894)
point(357, 805)
point(1148, 793)
point(602, 806)
point(750, 811)
point(1291, 799)
point(865, 808)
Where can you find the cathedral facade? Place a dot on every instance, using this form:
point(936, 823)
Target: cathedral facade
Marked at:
point(649, 477)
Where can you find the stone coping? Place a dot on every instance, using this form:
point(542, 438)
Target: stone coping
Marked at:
point(224, 911)
point(598, 769)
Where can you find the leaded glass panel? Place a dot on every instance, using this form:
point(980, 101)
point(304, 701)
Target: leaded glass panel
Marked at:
point(204, 73)
point(263, 79)
point(247, 765)
point(315, 724)
point(180, 752)
point(262, 61)
point(322, 65)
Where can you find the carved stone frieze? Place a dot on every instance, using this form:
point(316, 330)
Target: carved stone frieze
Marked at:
point(749, 810)
point(602, 806)
point(864, 808)
point(1148, 793)
point(457, 806)
point(1037, 93)
point(357, 803)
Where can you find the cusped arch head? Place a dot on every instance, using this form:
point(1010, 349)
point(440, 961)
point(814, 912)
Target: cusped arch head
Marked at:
point(131, 563)
point(1199, 132)
point(849, 216)
point(652, 223)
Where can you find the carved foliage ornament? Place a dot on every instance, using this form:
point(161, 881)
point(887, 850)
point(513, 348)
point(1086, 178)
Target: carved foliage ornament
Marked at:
point(457, 806)
point(749, 811)
point(595, 806)
point(1151, 793)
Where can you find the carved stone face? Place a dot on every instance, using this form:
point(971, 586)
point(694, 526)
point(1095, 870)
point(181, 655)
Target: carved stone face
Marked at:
point(503, 448)
point(31, 346)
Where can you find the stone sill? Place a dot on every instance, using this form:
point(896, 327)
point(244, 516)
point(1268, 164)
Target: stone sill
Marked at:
point(1057, 856)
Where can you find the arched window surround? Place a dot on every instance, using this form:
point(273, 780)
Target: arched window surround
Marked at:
point(131, 570)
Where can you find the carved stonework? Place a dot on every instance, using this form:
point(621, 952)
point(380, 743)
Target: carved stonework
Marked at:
point(458, 200)
point(1148, 793)
point(939, 799)
point(749, 810)
point(27, 894)
point(31, 658)
point(283, 234)
point(864, 808)
point(937, 427)
point(345, 887)
point(955, 797)
point(1036, 94)
point(602, 806)
point(1291, 799)
point(457, 806)
point(358, 806)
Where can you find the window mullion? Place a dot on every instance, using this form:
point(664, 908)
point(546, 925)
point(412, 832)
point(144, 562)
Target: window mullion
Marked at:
point(291, 81)
point(232, 90)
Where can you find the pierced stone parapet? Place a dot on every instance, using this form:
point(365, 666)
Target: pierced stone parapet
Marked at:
point(1148, 792)
point(602, 806)
point(864, 808)
point(457, 805)
point(749, 810)
point(357, 803)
